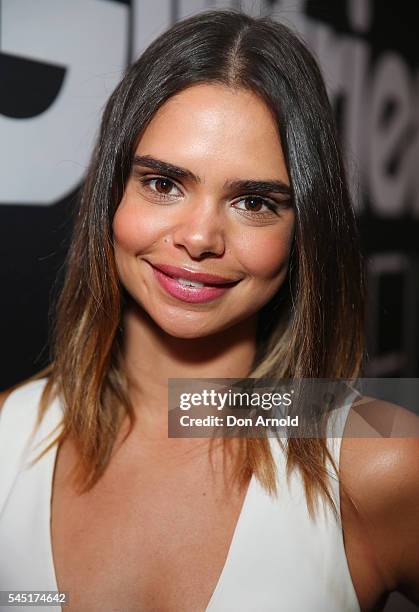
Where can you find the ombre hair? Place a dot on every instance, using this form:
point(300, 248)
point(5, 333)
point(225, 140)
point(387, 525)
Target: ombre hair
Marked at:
point(313, 327)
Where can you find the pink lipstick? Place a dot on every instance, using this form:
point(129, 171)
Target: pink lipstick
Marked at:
point(191, 286)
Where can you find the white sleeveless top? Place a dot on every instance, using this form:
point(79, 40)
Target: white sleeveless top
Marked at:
point(279, 560)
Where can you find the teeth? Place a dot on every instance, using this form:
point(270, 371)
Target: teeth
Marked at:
point(185, 281)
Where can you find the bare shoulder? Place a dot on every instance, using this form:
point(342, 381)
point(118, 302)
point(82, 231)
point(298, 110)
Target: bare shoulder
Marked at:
point(379, 470)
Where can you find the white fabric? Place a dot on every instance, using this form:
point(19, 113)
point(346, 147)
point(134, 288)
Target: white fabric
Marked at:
point(279, 558)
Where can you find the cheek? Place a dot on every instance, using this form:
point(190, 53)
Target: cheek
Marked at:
point(132, 232)
point(266, 254)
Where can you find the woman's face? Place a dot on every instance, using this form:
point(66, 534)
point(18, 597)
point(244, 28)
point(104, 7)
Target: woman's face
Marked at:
point(209, 193)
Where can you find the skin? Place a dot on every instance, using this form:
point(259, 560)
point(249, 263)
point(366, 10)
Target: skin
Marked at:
point(218, 134)
point(379, 463)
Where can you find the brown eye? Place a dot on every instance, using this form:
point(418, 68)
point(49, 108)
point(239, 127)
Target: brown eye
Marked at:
point(163, 185)
point(257, 206)
point(254, 204)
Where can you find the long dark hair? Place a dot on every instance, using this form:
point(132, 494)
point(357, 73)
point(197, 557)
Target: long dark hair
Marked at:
point(314, 331)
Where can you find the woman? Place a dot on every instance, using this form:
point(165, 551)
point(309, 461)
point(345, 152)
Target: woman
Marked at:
point(217, 164)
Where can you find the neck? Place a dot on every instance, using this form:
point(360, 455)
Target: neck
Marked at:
point(151, 357)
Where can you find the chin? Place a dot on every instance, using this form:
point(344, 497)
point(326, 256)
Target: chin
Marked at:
point(188, 326)
point(186, 329)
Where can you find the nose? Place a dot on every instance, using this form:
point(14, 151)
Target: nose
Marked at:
point(200, 230)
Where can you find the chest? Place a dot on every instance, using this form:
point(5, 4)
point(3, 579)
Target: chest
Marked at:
point(149, 538)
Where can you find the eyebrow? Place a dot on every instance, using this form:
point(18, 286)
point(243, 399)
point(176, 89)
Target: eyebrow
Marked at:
point(257, 186)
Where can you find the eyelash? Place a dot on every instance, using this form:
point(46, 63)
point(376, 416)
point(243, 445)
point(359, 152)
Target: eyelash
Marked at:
point(273, 207)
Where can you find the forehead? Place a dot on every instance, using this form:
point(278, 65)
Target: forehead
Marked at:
point(211, 123)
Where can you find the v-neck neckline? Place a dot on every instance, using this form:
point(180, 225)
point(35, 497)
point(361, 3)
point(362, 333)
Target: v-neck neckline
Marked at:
point(233, 542)
point(230, 552)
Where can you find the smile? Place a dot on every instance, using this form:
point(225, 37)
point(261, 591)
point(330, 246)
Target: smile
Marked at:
point(191, 291)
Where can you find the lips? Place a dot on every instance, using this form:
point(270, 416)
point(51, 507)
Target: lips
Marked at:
point(195, 276)
point(174, 281)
